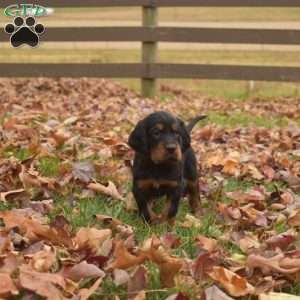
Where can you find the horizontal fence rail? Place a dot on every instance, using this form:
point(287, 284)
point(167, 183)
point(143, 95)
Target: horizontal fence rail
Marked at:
point(161, 3)
point(169, 34)
point(265, 73)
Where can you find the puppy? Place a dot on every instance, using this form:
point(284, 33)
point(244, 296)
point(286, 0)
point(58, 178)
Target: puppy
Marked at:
point(164, 163)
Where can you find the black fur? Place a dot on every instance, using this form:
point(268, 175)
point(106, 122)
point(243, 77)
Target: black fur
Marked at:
point(164, 163)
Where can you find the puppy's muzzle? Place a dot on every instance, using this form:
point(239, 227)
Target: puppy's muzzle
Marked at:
point(171, 148)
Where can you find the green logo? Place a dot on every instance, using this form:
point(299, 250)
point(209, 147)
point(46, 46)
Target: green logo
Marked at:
point(23, 10)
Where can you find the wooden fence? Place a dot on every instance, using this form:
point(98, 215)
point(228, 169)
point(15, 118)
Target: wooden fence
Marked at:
point(150, 34)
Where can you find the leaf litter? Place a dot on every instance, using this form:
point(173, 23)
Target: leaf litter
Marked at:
point(81, 127)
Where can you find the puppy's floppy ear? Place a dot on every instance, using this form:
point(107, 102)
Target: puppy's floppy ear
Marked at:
point(186, 139)
point(138, 138)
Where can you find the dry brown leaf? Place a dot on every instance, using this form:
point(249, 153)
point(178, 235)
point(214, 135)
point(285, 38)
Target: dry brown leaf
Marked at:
point(190, 221)
point(234, 284)
point(255, 173)
point(277, 296)
point(231, 167)
point(31, 227)
point(109, 190)
point(206, 243)
point(11, 194)
point(91, 238)
point(9, 263)
point(42, 261)
point(83, 171)
point(120, 277)
point(123, 259)
point(168, 265)
point(294, 218)
point(81, 271)
point(85, 294)
point(7, 286)
point(248, 243)
point(137, 282)
point(278, 263)
point(44, 284)
point(282, 240)
point(140, 296)
point(170, 240)
point(214, 293)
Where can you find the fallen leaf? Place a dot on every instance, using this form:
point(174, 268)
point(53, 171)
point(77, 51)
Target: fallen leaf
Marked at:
point(205, 243)
point(214, 293)
point(137, 282)
point(91, 238)
point(170, 240)
point(7, 286)
point(277, 296)
point(42, 261)
point(203, 264)
point(44, 284)
point(140, 296)
point(168, 265)
point(282, 240)
point(234, 284)
point(120, 277)
point(294, 218)
point(190, 221)
point(82, 271)
point(10, 195)
point(123, 259)
point(83, 171)
point(278, 263)
point(85, 293)
point(109, 190)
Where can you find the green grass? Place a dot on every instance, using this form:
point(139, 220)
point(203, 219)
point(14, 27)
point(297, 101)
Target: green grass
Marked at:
point(295, 290)
point(243, 119)
point(215, 88)
point(280, 228)
point(49, 166)
point(83, 215)
point(88, 55)
point(19, 153)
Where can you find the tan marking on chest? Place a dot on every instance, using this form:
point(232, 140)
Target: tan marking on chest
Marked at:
point(156, 184)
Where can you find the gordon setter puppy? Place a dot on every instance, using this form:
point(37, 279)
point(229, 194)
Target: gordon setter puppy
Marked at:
point(164, 164)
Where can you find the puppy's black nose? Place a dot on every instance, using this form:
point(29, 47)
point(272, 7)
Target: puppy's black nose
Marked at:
point(171, 148)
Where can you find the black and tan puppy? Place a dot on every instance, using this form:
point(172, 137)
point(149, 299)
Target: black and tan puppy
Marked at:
point(164, 163)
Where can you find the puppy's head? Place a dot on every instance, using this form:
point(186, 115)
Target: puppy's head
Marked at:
point(161, 136)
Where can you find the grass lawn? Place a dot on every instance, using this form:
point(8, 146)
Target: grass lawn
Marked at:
point(82, 215)
point(219, 88)
point(87, 112)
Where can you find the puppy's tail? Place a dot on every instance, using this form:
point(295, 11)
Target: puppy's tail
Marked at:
point(193, 122)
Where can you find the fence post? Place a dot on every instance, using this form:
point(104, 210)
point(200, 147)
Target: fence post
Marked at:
point(149, 50)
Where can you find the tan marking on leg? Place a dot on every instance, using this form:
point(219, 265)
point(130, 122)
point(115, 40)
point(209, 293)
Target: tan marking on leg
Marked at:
point(153, 215)
point(194, 196)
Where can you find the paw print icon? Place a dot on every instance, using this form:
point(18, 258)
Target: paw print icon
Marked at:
point(24, 32)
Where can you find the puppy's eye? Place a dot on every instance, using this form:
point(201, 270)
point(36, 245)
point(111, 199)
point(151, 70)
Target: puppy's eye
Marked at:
point(156, 133)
